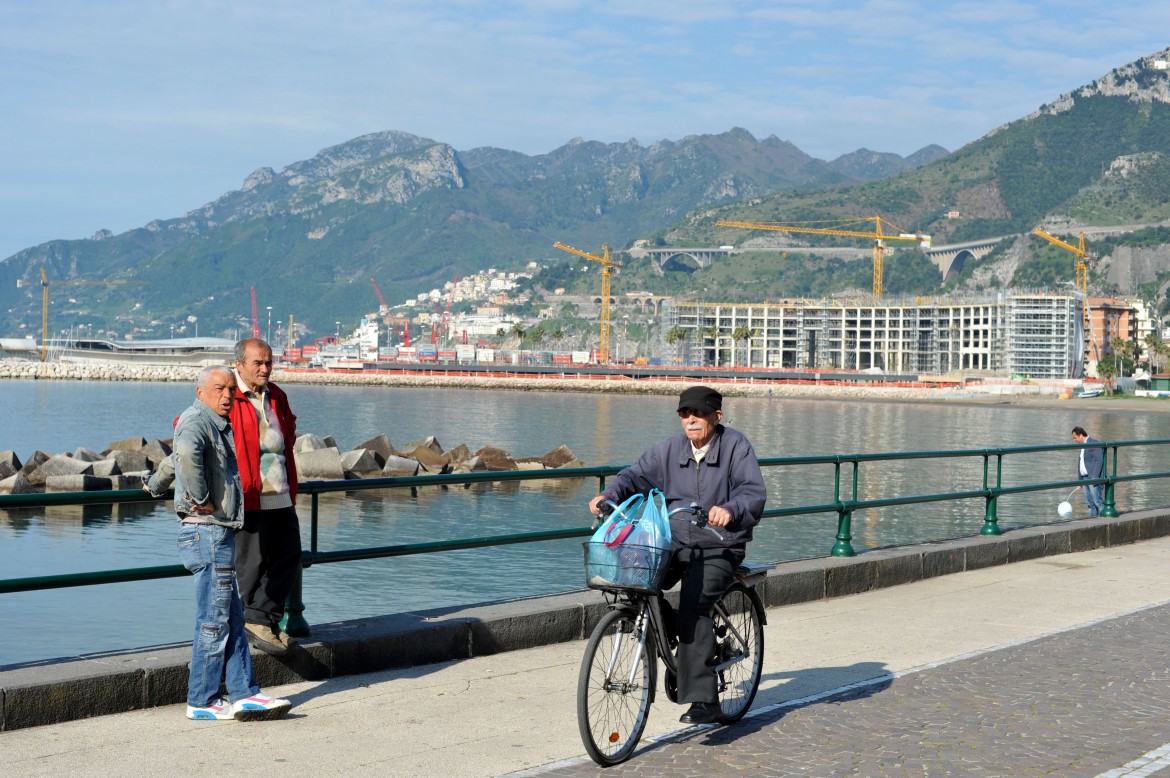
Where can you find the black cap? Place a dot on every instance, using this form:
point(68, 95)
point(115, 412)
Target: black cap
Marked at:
point(700, 398)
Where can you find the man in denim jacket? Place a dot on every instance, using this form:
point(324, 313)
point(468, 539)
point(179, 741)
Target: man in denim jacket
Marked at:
point(210, 506)
point(715, 467)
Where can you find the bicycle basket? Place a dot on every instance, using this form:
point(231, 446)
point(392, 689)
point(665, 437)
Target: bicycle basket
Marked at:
point(625, 566)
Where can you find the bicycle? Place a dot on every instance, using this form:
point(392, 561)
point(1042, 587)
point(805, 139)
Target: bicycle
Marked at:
point(618, 676)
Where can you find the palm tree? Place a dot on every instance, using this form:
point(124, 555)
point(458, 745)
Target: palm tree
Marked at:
point(518, 333)
point(712, 332)
point(742, 335)
point(675, 336)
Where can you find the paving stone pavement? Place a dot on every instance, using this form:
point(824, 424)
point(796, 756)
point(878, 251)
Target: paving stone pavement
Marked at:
point(1053, 666)
point(1081, 702)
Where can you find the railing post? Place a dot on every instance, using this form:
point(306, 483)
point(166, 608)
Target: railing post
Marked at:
point(990, 515)
point(844, 527)
point(1109, 509)
point(294, 621)
point(844, 515)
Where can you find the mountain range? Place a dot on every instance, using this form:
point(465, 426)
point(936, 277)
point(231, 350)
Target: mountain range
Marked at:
point(408, 211)
point(412, 212)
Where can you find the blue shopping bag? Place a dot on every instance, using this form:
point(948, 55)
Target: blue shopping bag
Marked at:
point(603, 552)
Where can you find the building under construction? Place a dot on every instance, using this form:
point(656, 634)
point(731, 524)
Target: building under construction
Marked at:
point(1039, 335)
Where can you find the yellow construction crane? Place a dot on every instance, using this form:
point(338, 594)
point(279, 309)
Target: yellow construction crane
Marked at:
point(1081, 253)
point(45, 284)
point(878, 235)
point(606, 264)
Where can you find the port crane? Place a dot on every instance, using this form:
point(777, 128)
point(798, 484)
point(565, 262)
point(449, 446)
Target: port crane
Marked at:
point(606, 263)
point(388, 318)
point(45, 284)
point(878, 235)
point(1082, 282)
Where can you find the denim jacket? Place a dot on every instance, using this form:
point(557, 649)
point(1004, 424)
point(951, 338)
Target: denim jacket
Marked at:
point(202, 467)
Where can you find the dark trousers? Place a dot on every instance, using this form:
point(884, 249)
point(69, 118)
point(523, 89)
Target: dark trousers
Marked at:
point(268, 557)
point(704, 573)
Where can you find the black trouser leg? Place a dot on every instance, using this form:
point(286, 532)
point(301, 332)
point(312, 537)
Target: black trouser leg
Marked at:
point(708, 573)
point(268, 557)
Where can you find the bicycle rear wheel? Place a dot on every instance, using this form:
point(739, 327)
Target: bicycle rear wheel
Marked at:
point(739, 641)
point(614, 689)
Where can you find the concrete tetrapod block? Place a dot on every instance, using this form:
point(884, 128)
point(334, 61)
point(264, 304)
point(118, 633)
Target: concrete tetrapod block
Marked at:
point(130, 461)
point(432, 461)
point(127, 481)
point(321, 465)
point(309, 442)
point(559, 457)
point(59, 465)
point(496, 458)
point(397, 466)
point(9, 464)
point(432, 443)
point(86, 455)
point(156, 451)
point(17, 483)
point(129, 444)
point(106, 468)
point(361, 463)
point(37, 459)
point(380, 445)
point(76, 483)
point(457, 455)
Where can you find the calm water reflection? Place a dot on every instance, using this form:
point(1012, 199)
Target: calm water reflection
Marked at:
point(600, 429)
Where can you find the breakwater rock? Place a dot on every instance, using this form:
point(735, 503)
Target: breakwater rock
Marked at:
point(127, 464)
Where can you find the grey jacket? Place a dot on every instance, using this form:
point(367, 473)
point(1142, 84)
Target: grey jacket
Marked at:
point(202, 467)
point(729, 475)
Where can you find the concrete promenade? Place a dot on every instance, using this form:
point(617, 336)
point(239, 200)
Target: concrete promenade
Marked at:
point(1055, 665)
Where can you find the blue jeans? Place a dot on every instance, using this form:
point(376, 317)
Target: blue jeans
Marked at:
point(1093, 497)
point(219, 652)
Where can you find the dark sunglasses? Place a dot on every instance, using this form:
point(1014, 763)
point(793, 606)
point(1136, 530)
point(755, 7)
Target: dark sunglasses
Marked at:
point(685, 412)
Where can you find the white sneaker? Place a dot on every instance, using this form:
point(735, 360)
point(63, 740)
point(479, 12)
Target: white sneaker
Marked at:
point(219, 709)
point(259, 708)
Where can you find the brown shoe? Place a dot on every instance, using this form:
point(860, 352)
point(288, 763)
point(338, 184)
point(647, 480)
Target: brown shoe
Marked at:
point(286, 640)
point(263, 637)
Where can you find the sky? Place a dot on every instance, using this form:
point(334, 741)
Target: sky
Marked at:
point(119, 112)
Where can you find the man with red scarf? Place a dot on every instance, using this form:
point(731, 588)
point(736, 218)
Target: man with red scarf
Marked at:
point(268, 547)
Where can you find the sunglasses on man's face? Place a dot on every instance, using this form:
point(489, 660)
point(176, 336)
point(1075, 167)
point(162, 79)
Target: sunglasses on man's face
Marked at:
point(685, 412)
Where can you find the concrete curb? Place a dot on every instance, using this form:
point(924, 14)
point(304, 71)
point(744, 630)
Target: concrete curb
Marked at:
point(52, 692)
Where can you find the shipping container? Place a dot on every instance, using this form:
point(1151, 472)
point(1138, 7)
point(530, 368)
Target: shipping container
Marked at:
point(486, 356)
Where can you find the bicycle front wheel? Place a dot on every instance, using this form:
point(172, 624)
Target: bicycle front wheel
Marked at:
point(614, 689)
point(739, 642)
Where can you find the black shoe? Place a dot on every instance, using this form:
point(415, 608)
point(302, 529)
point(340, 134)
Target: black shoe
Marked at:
point(700, 713)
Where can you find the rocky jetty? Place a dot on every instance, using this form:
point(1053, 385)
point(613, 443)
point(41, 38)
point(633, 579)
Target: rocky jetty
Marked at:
point(127, 464)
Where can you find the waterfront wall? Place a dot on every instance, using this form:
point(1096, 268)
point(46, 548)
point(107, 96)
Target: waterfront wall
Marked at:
point(54, 691)
point(743, 386)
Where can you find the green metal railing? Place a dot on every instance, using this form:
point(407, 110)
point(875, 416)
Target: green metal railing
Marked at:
point(846, 480)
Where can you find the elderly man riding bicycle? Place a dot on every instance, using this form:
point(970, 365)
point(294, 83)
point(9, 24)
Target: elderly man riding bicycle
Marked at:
point(716, 467)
